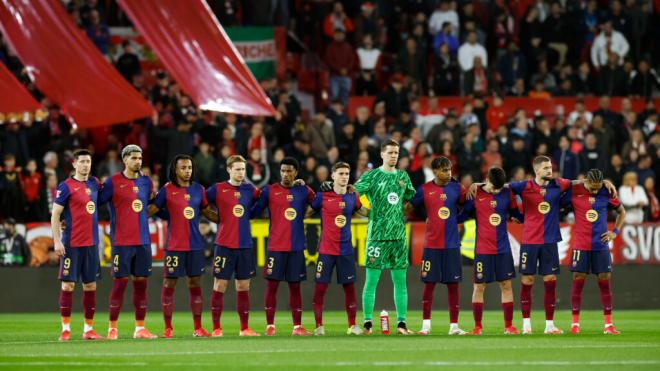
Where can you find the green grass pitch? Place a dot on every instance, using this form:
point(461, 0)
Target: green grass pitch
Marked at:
point(29, 341)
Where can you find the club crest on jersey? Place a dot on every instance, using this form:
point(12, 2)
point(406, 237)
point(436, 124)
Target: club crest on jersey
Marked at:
point(480, 276)
point(591, 215)
point(443, 196)
point(237, 195)
point(318, 274)
point(269, 271)
point(592, 200)
point(401, 182)
point(543, 192)
point(289, 198)
point(424, 273)
point(342, 205)
point(88, 191)
point(493, 204)
point(65, 272)
point(186, 197)
point(136, 189)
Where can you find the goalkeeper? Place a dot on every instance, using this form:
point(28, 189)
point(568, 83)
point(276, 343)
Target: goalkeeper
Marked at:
point(386, 188)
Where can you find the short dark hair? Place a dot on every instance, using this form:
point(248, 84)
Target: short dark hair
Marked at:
point(340, 165)
point(388, 142)
point(290, 161)
point(538, 160)
point(175, 160)
point(440, 162)
point(595, 175)
point(496, 177)
point(81, 152)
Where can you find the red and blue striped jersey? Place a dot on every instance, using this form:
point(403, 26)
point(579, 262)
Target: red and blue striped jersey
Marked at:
point(183, 205)
point(287, 207)
point(234, 204)
point(541, 207)
point(128, 200)
point(336, 213)
point(590, 216)
point(441, 205)
point(80, 200)
point(491, 212)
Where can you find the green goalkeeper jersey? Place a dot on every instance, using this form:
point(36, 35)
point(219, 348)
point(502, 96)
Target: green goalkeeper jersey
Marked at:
point(386, 192)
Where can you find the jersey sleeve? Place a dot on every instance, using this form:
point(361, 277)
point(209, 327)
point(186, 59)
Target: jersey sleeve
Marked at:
point(317, 202)
point(518, 187)
point(205, 201)
point(261, 204)
point(62, 195)
point(462, 194)
point(564, 184)
point(467, 212)
point(409, 193)
point(211, 192)
point(160, 201)
point(566, 198)
point(358, 203)
point(363, 184)
point(310, 194)
point(255, 193)
point(105, 194)
point(151, 189)
point(418, 198)
point(514, 211)
point(613, 203)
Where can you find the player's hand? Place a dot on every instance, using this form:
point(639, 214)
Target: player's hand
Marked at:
point(607, 236)
point(611, 188)
point(350, 188)
point(298, 182)
point(515, 220)
point(472, 191)
point(59, 248)
point(327, 186)
point(62, 225)
point(408, 207)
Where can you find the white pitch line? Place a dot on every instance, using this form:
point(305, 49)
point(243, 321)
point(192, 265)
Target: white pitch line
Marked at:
point(65, 363)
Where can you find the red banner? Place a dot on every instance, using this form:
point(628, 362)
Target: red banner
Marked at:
point(66, 66)
point(15, 98)
point(196, 50)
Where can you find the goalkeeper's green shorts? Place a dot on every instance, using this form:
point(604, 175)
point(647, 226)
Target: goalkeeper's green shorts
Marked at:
point(387, 254)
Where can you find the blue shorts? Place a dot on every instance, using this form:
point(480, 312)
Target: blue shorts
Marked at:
point(345, 265)
point(131, 260)
point(493, 267)
point(441, 265)
point(184, 263)
point(233, 262)
point(543, 258)
point(80, 264)
point(286, 266)
point(587, 261)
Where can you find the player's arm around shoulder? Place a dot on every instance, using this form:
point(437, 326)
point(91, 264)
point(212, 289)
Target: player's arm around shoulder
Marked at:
point(363, 185)
point(409, 191)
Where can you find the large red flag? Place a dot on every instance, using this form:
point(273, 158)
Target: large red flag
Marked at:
point(14, 96)
point(66, 66)
point(196, 50)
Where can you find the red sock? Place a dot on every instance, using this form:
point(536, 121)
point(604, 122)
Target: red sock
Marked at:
point(196, 305)
point(295, 302)
point(477, 312)
point(216, 308)
point(576, 298)
point(140, 299)
point(317, 302)
point(525, 300)
point(350, 303)
point(243, 308)
point(167, 302)
point(270, 300)
point(549, 296)
point(452, 301)
point(606, 299)
point(427, 299)
point(117, 297)
point(89, 304)
point(66, 301)
point(507, 308)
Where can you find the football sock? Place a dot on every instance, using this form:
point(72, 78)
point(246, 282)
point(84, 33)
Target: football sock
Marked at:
point(453, 302)
point(317, 302)
point(243, 308)
point(270, 300)
point(369, 292)
point(89, 305)
point(295, 303)
point(427, 300)
point(400, 293)
point(140, 301)
point(350, 303)
point(507, 308)
point(66, 301)
point(549, 296)
point(216, 308)
point(116, 299)
point(167, 302)
point(576, 298)
point(477, 313)
point(606, 300)
point(196, 305)
point(525, 300)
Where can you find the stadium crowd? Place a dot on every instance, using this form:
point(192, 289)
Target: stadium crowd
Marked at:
point(397, 51)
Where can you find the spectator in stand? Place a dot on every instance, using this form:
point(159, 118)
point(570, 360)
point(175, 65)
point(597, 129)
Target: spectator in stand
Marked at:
point(364, 124)
point(411, 61)
point(633, 197)
point(110, 164)
point(579, 111)
point(11, 195)
point(320, 135)
point(491, 157)
point(128, 63)
point(256, 170)
point(445, 12)
point(445, 72)
point(654, 205)
point(539, 91)
point(495, 115)
point(592, 156)
point(644, 169)
point(469, 51)
point(604, 135)
point(612, 79)
point(14, 251)
point(503, 31)
point(636, 143)
point(479, 81)
point(395, 98)
point(615, 171)
point(347, 144)
point(644, 81)
point(516, 155)
point(337, 116)
point(341, 60)
point(446, 37)
point(257, 140)
point(98, 33)
point(469, 158)
point(367, 23)
point(205, 165)
point(566, 162)
point(558, 31)
point(650, 125)
point(607, 42)
point(512, 66)
point(337, 20)
point(369, 57)
point(32, 185)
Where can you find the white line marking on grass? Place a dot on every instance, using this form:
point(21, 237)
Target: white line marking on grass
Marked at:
point(65, 363)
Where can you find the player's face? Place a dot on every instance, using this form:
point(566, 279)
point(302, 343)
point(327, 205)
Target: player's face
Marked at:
point(83, 165)
point(443, 174)
point(390, 155)
point(593, 187)
point(237, 171)
point(544, 170)
point(133, 161)
point(288, 173)
point(184, 170)
point(340, 176)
